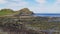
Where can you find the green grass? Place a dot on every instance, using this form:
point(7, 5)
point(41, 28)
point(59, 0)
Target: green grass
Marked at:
point(3, 13)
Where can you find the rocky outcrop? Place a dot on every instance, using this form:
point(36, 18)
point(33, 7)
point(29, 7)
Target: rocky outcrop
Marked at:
point(13, 26)
point(25, 11)
point(27, 24)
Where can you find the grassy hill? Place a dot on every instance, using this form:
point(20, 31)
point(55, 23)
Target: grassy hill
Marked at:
point(23, 11)
point(4, 12)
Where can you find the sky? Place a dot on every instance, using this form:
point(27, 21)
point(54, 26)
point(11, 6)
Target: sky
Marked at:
point(37, 6)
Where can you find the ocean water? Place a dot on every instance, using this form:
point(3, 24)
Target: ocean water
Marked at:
point(47, 15)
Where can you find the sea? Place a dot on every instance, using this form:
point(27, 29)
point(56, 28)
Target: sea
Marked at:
point(47, 15)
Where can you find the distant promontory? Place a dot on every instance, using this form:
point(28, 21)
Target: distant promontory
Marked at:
point(24, 11)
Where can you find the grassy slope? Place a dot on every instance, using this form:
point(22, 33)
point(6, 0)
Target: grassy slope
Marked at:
point(2, 13)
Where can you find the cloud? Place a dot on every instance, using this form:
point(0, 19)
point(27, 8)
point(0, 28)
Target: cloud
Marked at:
point(55, 8)
point(15, 4)
point(45, 8)
point(41, 1)
point(15, 0)
point(3, 1)
point(58, 1)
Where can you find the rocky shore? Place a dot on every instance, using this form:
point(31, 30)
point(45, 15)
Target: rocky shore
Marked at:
point(27, 24)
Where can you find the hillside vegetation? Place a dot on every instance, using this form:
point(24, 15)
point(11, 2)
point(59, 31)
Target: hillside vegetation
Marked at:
point(6, 12)
point(23, 11)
